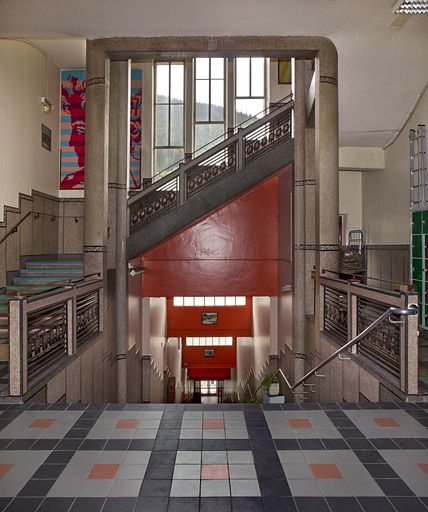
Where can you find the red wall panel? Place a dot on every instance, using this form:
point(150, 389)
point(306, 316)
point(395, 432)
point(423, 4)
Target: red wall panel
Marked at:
point(194, 357)
point(233, 251)
point(232, 321)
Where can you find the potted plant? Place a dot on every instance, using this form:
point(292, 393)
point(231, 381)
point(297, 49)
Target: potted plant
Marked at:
point(270, 384)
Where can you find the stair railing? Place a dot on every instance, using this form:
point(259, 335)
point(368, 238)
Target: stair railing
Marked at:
point(230, 156)
point(411, 310)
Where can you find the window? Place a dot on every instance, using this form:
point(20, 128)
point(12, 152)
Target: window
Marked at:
point(216, 341)
point(250, 88)
point(209, 100)
point(169, 114)
point(209, 301)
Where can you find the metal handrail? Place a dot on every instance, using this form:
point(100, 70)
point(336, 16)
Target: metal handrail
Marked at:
point(411, 310)
point(364, 276)
point(210, 152)
point(15, 227)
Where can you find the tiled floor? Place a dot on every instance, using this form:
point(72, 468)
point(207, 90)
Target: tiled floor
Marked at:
point(214, 458)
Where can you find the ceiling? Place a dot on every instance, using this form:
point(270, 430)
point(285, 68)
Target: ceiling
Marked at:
point(383, 58)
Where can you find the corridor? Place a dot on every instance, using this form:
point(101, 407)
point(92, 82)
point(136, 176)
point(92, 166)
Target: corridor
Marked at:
point(216, 458)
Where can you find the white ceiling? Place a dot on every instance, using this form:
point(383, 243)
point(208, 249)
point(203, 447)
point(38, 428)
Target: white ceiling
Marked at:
point(382, 68)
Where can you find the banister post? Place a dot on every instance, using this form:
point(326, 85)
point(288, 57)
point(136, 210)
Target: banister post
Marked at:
point(18, 350)
point(182, 184)
point(71, 325)
point(409, 348)
point(240, 151)
point(353, 318)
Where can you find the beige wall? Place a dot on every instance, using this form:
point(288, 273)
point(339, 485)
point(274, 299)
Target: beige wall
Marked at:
point(350, 199)
point(276, 91)
point(25, 76)
point(386, 193)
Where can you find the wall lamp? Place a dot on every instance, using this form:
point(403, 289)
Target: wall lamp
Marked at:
point(135, 271)
point(47, 105)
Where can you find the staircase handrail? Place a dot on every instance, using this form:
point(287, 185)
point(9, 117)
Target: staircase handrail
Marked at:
point(57, 289)
point(411, 310)
point(242, 132)
point(15, 227)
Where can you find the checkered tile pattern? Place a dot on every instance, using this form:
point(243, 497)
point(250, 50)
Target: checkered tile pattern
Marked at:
point(225, 458)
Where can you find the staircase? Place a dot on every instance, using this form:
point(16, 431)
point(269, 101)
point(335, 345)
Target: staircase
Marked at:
point(206, 181)
point(36, 277)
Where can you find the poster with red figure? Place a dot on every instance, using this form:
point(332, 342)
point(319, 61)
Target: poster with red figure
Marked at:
point(72, 132)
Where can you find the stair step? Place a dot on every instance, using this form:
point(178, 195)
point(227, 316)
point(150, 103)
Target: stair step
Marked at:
point(42, 273)
point(47, 265)
point(27, 290)
point(35, 281)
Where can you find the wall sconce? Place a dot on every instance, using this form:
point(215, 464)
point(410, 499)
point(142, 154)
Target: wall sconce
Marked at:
point(47, 105)
point(135, 271)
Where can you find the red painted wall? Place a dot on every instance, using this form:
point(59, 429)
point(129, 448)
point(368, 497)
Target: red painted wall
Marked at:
point(233, 251)
point(217, 367)
point(232, 321)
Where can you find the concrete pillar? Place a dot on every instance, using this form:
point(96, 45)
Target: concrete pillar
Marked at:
point(96, 160)
point(120, 85)
point(299, 256)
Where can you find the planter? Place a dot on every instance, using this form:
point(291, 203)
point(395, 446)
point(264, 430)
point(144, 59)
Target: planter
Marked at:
point(274, 389)
point(267, 399)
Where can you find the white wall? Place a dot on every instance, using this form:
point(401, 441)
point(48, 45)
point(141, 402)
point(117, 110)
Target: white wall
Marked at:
point(350, 199)
point(276, 91)
point(173, 361)
point(386, 193)
point(25, 76)
point(244, 358)
point(261, 332)
point(157, 344)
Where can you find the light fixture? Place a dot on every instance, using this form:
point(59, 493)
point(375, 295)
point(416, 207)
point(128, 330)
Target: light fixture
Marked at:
point(47, 105)
point(135, 271)
point(411, 7)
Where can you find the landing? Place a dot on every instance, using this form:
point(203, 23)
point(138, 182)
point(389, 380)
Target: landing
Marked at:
point(216, 458)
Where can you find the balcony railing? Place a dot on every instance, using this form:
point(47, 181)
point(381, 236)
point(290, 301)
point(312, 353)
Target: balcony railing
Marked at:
point(47, 328)
point(349, 307)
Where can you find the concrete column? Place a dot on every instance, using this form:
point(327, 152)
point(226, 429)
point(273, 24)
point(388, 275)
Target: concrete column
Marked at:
point(120, 81)
point(326, 169)
point(299, 256)
point(96, 159)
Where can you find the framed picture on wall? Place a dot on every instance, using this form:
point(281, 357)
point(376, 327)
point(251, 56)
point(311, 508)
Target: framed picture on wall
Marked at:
point(209, 352)
point(284, 71)
point(209, 318)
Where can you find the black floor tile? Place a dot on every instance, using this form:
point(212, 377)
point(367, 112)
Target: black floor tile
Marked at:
point(384, 444)
point(20, 444)
point(160, 471)
point(215, 505)
point(388, 405)
point(183, 505)
point(4, 443)
point(273, 487)
point(45, 444)
point(56, 505)
point(59, 457)
point(87, 505)
point(262, 444)
point(280, 503)
point(272, 407)
point(238, 444)
point(170, 423)
point(155, 487)
point(141, 445)
point(336, 414)
point(247, 505)
point(119, 505)
point(351, 433)
point(36, 488)
point(376, 504)
point(77, 433)
point(214, 444)
point(336, 444)
point(151, 504)
point(168, 433)
point(381, 471)
point(291, 407)
point(423, 442)
point(69, 444)
point(190, 444)
point(360, 444)
point(268, 457)
point(165, 444)
point(93, 444)
point(160, 458)
point(286, 444)
point(311, 444)
point(77, 407)
point(342, 422)
point(311, 505)
point(394, 487)
point(4, 502)
point(259, 433)
point(310, 406)
point(368, 405)
point(349, 406)
point(330, 407)
point(269, 470)
point(407, 504)
point(49, 471)
point(117, 444)
point(408, 444)
point(344, 505)
point(369, 456)
point(24, 505)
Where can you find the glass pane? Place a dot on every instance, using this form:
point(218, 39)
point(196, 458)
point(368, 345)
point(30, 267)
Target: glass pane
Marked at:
point(188, 301)
point(177, 83)
point(258, 77)
point(178, 301)
point(162, 83)
point(240, 301)
point(202, 100)
point(208, 135)
point(209, 301)
point(217, 100)
point(209, 342)
point(195, 342)
point(222, 342)
point(164, 158)
point(229, 340)
point(230, 301)
point(243, 76)
point(199, 301)
point(202, 342)
point(215, 342)
point(189, 342)
point(202, 68)
point(246, 109)
point(219, 301)
point(177, 124)
point(162, 125)
point(217, 68)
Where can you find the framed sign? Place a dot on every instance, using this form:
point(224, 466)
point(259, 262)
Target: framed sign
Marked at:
point(46, 137)
point(209, 352)
point(284, 71)
point(209, 318)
